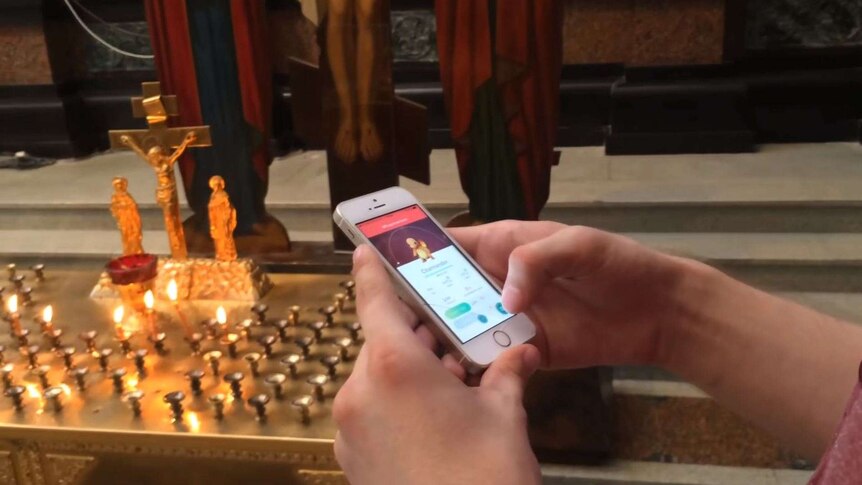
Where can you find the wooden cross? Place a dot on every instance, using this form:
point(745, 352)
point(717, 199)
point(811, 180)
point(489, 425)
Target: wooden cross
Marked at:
point(157, 108)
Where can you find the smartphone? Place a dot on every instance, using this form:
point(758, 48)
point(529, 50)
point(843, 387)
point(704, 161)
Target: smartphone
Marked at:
point(458, 301)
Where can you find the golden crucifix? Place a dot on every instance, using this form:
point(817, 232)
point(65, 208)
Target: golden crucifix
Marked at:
point(154, 145)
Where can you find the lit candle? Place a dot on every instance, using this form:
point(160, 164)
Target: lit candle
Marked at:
point(221, 318)
point(119, 312)
point(14, 317)
point(149, 302)
point(48, 319)
point(194, 422)
point(173, 296)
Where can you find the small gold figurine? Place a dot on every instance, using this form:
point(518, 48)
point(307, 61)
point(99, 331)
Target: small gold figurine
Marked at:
point(125, 211)
point(222, 221)
point(166, 193)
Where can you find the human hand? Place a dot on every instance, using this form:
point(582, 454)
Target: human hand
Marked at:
point(596, 298)
point(404, 418)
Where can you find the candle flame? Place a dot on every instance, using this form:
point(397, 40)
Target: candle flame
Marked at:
point(221, 315)
point(149, 299)
point(118, 314)
point(172, 290)
point(194, 422)
point(48, 314)
point(132, 383)
point(12, 304)
point(33, 391)
point(66, 389)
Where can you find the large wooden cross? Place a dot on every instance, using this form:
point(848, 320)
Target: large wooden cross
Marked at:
point(157, 108)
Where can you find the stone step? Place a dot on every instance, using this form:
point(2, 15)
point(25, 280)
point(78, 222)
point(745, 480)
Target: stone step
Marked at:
point(628, 472)
point(797, 262)
point(619, 216)
point(675, 422)
point(779, 189)
point(828, 262)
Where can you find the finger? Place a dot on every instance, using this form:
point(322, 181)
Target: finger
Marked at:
point(427, 338)
point(376, 300)
point(342, 451)
point(451, 364)
point(491, 244)
point(570, 253)
point(509, 373)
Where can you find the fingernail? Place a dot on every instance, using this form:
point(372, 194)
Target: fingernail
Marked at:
point(512, 299)
point(531, 359)
point(358, 254)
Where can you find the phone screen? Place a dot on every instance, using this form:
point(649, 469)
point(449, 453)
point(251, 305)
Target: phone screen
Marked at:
point(424, 255)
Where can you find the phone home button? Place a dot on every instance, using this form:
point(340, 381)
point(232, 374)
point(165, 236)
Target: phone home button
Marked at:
point(502, 338)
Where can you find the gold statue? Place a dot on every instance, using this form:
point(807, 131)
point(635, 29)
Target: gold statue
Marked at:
point(222, 221)
point(166, 193)
point(158, 140)
point(125, 211)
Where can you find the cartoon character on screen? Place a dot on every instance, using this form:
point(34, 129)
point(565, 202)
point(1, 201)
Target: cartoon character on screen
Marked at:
point(420, 249)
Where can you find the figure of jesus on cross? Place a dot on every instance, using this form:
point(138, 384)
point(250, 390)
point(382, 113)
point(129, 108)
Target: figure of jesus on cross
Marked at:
point(153, 145)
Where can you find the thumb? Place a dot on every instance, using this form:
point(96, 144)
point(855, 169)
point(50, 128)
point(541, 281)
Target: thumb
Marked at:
point(509, 373)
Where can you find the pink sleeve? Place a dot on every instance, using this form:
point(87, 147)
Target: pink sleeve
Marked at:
point(842, 462)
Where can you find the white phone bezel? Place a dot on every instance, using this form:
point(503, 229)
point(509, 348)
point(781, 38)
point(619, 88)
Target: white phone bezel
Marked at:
point(478, 352)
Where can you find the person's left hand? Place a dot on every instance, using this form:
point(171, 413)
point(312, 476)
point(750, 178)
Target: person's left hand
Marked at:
point(403, 417)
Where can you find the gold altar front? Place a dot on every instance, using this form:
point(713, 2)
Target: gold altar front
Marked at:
point(95, 439)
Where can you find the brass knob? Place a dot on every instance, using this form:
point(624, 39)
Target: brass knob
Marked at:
point(213, 358)
point(41, 373)
point(303, 405)
point(133, 399)
point(234, 379)
point(267, 341)
point(318, 381)
point(259, 310)
point(67, 354)
point(230, 340)
point(217, 401)
point(80, 375)
point(276, 382)
point(330, 362)
point(281, 327)
point(175, 401)
point(259, 402)
point(140, 357)
point(117, 377)
point(294, 311)
point(194, 376)
point(253, 359)
point(54, 395)
point(290, 361)
point(343, 344)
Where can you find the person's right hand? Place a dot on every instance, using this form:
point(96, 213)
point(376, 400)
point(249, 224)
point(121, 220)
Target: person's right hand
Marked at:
point(596, 298)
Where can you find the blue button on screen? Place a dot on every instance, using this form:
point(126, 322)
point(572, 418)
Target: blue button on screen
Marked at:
point(501, 309)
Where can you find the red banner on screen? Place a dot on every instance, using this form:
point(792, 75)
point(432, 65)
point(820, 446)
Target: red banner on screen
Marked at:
point(391, 221)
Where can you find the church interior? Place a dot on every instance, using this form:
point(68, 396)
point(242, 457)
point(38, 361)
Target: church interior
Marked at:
point(180, 303)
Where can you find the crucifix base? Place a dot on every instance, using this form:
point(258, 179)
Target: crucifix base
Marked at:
point(202, 279)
